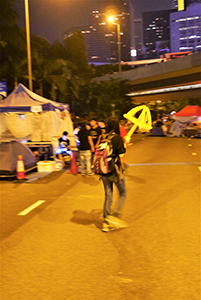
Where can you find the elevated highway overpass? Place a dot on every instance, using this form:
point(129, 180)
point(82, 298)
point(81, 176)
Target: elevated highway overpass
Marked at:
point(179, 78)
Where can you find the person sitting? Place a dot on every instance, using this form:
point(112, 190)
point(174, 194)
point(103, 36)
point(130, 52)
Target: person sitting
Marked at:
point(64, 147)
point(158, 130)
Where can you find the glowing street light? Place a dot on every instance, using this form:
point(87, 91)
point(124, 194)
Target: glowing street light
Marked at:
point(28, 44)
point(180, 4)
point(115, 21)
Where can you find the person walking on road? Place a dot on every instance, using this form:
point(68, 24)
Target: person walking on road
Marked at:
point(85, 148)
point(115, 177)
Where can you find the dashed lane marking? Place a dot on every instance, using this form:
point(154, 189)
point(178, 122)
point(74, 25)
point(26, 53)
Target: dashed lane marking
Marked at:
point(199, 168)
point(30, 208)
point(165, 164)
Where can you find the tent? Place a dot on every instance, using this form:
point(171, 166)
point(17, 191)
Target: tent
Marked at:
point(9, 150)
point(188, 114)
point(23, 100)
point(25, 115)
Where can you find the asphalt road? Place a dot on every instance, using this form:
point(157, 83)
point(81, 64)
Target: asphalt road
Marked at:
point(57, 251)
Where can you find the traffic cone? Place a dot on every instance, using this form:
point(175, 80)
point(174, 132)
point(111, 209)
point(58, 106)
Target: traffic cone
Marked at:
point(73, 168)
point(20, 168)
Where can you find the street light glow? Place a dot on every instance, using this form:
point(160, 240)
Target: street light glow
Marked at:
point(180, 5)
point(111, 19)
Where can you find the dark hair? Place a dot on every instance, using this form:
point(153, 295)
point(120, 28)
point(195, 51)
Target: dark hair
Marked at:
point(83, 124)
point(65, 133)
point(112, 125)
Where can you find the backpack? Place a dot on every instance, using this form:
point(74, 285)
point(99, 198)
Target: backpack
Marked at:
point(104, 160)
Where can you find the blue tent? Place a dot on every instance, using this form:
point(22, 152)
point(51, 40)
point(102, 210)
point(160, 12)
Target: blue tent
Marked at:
point(9, 151)
point(23, 100)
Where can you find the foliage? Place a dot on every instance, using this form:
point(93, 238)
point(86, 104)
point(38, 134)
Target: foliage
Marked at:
point(13, 55)
point(103, 99)
point(77, 54)
point(101, 70)
point(8, 16)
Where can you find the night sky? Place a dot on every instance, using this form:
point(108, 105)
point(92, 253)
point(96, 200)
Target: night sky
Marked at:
point(49, 18)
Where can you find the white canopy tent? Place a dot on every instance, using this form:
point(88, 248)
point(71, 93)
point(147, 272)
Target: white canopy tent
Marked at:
point(25, 115)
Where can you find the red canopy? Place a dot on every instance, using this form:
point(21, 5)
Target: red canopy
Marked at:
point(189, 111)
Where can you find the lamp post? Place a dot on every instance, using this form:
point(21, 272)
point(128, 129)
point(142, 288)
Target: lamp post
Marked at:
point(112, 20)
point(28, 44)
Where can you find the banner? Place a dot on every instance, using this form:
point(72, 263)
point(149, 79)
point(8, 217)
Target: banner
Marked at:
point(3, 88)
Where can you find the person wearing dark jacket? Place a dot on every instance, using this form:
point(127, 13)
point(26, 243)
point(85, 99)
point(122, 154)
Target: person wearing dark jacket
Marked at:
point(115, 177)
point(85, 148)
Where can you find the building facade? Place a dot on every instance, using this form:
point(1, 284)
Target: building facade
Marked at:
point(101, 36)
point(156, 32)
point(174, 4)
point(187, 3)
point(138, 37)
point(185, 28)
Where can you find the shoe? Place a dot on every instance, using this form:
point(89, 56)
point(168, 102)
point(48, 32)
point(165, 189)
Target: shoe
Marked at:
point(116, 222)
point(82, 173)
point(106, 227)
point(90, 174)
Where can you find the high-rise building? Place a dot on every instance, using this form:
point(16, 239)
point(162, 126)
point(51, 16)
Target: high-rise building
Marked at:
point(138, 37)
point(191, 2)
point(101, 36)
point(174, 4)
point(156, 32)
point(185, 28)
point(186, 3)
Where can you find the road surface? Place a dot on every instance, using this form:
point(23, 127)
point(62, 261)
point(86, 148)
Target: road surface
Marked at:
point(56, 250)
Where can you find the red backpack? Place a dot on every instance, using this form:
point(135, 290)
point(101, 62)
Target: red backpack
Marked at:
point(104, 160)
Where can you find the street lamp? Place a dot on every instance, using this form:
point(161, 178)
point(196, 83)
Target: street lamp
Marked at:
point(28, 43)
point(180, 4)
point(111, 19)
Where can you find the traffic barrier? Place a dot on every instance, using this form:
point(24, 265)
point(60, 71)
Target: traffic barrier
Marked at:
point(20, 168)
point(73, 168)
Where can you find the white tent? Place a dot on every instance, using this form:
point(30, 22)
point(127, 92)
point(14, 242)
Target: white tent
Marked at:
point(25, 115)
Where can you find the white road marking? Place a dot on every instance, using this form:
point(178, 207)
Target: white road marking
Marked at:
point(165, 164)
point(194, 153)
point(199, 168)
point(30, 208)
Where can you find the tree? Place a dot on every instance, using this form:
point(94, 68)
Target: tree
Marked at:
point(77, 54)
point(11, 44)
point(13, 59)
point(105, 98)
point(40, 49)
point(8, 16)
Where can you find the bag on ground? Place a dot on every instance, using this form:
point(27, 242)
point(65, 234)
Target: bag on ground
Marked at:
point(103, 160)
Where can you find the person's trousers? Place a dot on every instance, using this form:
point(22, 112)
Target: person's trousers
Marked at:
point(108, 181)
point(85, 160)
